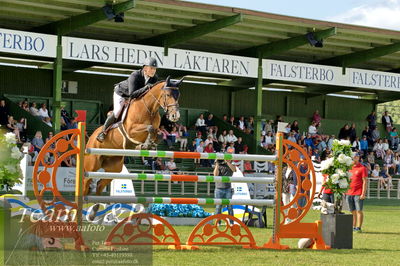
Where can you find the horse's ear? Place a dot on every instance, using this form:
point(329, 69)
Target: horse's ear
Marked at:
point(179, 82)
point(167, 81)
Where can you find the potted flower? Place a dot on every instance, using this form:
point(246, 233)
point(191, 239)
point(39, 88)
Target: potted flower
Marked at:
point(337, 227)
point(10, 158)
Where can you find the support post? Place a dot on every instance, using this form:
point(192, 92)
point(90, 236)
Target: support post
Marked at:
point(257, 118)
point(79, 175)
point(57, 84)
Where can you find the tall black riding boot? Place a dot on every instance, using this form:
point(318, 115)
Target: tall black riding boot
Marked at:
point(109, 121)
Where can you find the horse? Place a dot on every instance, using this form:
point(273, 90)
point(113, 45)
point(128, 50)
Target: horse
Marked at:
point(139, 128)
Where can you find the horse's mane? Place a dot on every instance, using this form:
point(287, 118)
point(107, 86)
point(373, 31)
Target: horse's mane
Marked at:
point(158, 82)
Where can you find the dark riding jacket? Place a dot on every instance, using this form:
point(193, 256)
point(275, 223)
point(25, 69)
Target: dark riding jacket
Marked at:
point(135, 85)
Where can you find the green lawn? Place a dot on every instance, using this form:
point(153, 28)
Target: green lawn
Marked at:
point(379, 244)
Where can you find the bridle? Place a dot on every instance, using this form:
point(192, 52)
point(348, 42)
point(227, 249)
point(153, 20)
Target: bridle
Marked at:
point(164, 106)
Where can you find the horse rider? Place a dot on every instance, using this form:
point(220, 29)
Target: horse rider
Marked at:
point(138, 82)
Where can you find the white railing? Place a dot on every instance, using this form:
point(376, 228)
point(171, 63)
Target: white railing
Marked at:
point(375, 191)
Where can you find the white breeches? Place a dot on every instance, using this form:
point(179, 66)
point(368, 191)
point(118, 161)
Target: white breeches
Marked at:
point(118, 104)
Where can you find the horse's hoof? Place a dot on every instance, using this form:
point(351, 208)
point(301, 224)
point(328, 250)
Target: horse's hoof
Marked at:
point(93, 212)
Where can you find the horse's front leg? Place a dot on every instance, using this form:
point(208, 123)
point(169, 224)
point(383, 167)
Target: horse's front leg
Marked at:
point(144, 134)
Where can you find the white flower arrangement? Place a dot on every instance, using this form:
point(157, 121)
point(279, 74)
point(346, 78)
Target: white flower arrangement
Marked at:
point(337, 168)
point(10, 158)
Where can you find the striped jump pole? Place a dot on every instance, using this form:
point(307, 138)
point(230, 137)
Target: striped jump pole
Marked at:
point(183, 155)
point(199, 201)
point(189, 178)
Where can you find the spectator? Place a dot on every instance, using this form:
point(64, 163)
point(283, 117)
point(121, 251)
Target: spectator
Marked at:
point(375, 135)
point(225, 118)
point(66, 162)
point(199, 148)
point(394, 139)
point(371, 159)
point(378, 149)
point(250, 125)
point(49, 136)
point(210, 122)
point(25, 106)
point(47, 121)
point(158, 165)
point(161, 134)
point(231, 148)
point(241, 124)
point(386, 176)
point(201, 125)
point(385, 145)
point(321, 143)
point(269, 139)
point(22, 126)
point(65, 116)
point(73, 124)
point(34, 111)
point(387, 121)
point(292, 137)
point(3, 113)
point(312, 129)
point(164, 133)
point(316, 117)
point(171, 166)
point(278, 119)
point(364, 146)
point(12, 127)
point(309, 141)
point(192, 146)
point(223, 148)
point(269, 126)
point(344, 132)
point(213, 133)
point(376, 173)
point(368, 134)
point(295, 127)
point(231, 137)
point(183, 138)
point(37, 141)
point(356, 194)
point(371, 118)
point(223, 137)
point(388, 160)
point(353, 133)
point(173, 136)
point(356, 145)
point(232, 121)
point(325, 154)
point(239, 147)
point(209, 149)
point(209, 140)
point(43, 112)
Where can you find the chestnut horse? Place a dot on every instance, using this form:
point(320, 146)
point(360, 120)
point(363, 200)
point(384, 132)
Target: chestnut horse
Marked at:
point(140, 125)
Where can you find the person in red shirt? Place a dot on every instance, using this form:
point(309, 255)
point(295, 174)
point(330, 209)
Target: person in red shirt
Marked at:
point(356, 193)
point(326, 193)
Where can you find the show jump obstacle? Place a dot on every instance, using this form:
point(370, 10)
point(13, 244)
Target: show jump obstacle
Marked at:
point(130, 231)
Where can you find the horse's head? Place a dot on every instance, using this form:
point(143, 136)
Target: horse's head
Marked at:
point(169, 99)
